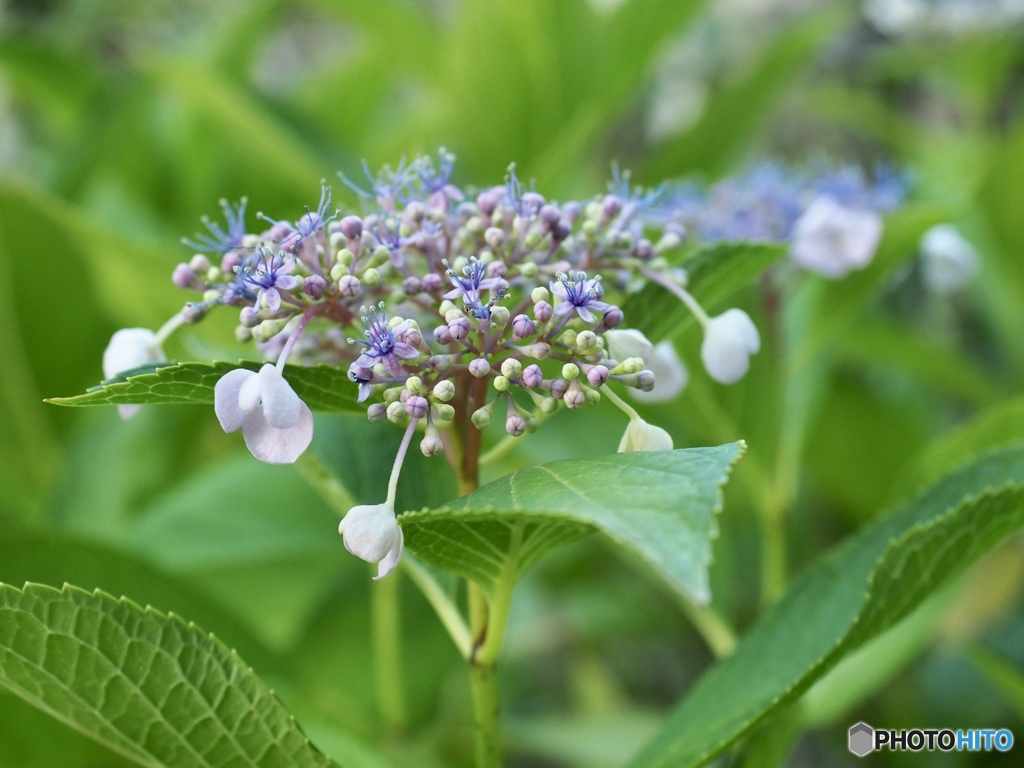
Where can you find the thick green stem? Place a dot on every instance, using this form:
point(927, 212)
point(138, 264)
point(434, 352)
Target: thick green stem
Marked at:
point(483, 680)
point(385, 618)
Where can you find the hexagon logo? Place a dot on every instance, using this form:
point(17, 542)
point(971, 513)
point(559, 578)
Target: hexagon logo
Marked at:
point(862, 739)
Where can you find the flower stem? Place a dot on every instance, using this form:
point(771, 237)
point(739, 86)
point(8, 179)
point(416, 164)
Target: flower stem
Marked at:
point(396, 469)
point(387, 632)
point(681, 293)
point(619, 403)
point(296, 332)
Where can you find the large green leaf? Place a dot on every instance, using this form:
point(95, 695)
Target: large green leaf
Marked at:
point(714, 274)
point(150, 686)
point(658, 504)
point(849, 597)
point(321, 387)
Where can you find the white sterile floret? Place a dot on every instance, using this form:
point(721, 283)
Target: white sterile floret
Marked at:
point(948, 260)
point(130, 348)
point(371, 532)
point(641, 436)
point(623, 343)
point(276, 424)
point(831, 239)
point(729, 341)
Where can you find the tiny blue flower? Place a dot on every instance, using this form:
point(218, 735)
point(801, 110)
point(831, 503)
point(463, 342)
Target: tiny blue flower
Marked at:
point(308, 224)
point(220, 240)
point(270, 277)
point(381, 344)
point(580, 294)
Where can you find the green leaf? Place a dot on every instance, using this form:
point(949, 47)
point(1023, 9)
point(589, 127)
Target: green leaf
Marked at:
point(150, 686)
point(849, 597)
point(321, 387)
point(658, 504)
point(715, 274)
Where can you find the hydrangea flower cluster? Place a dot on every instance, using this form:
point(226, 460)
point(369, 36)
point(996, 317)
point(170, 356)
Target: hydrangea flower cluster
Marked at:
point(452, 310)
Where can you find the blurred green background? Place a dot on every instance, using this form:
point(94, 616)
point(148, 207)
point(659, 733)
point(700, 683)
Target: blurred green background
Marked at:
point(122, 122)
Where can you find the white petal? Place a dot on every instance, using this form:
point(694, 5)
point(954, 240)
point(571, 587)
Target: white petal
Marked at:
point(949, 261)
point(226, 405)
point(729, 340)
point(277, 446)
point(642, 436)
point(628, 342)
point(281, 405)
point(670, 375)
point(390, 561)
point(128, 411)
point(831, 239)
point(372, 533)
point(130, 348)
point(249, 393)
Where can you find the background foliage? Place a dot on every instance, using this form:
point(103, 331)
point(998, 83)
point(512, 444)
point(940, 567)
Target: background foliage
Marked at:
point(122, 122)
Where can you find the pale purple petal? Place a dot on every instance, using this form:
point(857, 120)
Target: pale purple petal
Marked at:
point(585, 314)
point(406, 351)
point(454, 293)
point(366, 360)
point(390, 561)
point(286, 282)
point(226, 399)
point(491, 283)
point(391, 365)
point(559, 290)
point(365, 390)
point(281, 405)
point(273, 299)
point(278, 446)
point(563, 308)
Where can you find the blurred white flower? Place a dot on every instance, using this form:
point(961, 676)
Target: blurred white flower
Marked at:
point(831, 239)
point(641, 436)
point(131, 348)
point(276, 424)
point(729, 341)
point(948, 260)
point(371, 532)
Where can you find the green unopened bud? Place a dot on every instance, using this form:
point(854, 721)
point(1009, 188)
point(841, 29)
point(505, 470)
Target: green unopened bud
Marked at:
point(370, 277)
point(586, 340)
point(501, 383)
point(568, 338)
point(592, 210)
point(533, 239)
point(380, 254)
point(377, 412)
point(540, 293)
point(337, 239)
point(211, 295)
point(242, 334)
point(499, 316)
point(338, 271)
point(444, 390)
point(632, 364)
point(528, 269)
point(593, 396)
point(453, 314)
point(415, 384)
point(346, 257)
point(589, 228)
point(266, 330)
point(549, 405)
point(475, 225)
point(392, 394)
point(397, 413)
point(444, 411)
point(394, 322)
point(540, 350)
point(214, 275)
point(512, 368)
point(481, 418)
point(570, 371)
point(446, 307)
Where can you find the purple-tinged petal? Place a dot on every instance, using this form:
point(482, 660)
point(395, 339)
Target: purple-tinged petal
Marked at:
point(585, 314)
point(391, 365)
point(366, 360)
point(365, 390)
point(491, 283)
point(272, 299)
point(405, 351)
point(281, 405)
point(278, 446)
point(227, 400)
point(287, 282)
point(454, 293)
point(559, 290)
point(563, 308)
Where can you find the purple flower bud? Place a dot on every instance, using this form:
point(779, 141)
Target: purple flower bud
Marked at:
point(523, 326)
point(532, 202)
point(495, 237)
point(515, 425)
point(497, 269)
point(442, 335)
point(559, 387)
point(249, 317)
point(645, 380)
point(571, 211)
point(486, 202)
point(410, 336)
point(550, 214)
point(612, 317)
point(229, 262)
point(411, 286)
point(611, 206)
point(192, 313)
point(459, 328)
point(183, 276)
point(532, 376)
point(676, 228)
point(431, 445)
point(431, 283)
point(414, 211)
point(575, 398)
point(561, 230)
point(351, 227)
point(479, 367)
point(199, 263)
point(542, 311)
point(349, 286)
point(314, 286)
point(643, 249)
point(416, 406)
point(440, 363)
point(597, 375)
point(377, 412)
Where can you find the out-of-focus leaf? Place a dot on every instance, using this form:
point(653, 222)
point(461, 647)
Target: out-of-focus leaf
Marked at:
point(1007, 678)
point(715, 274)
point(848, 598)
point(587, 741)
point(658, 504)
point(147, 685)
point(321, 387)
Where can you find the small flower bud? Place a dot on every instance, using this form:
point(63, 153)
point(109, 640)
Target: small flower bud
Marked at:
point(445, 308)
point(371, 276)
point(613, 317)
point(377, 412)
point(528, 269)
point(337, 239)
point(183, 276)
point(586, 340)
point(532, 376)
point(495, 238)
point(512, 368)
point(199, 263)
point(242, 334)
point(397, 413)
point(444, 390)
point(392, 394)
point(412, 337)
point(415, 384)
point(431, 445)
point(214, 275)
point(515, 425)
point(416, 406)
point(480, 367)
point(487, 202)
point(346, 257)
point(523, 326)
point(645, 380)
point(540, 350)
point(314, 286)
point(442, 335)
point(440, 363)
point(211, 295)
point(570, 371)
point(643, 249)
point(431, 283)
point(481, 418)
point(230, 261)
point(453, 314)
point(597, 375)
point(459, 328)
point(593, 397)
point(561, 230)
point(549, 405)
point(266, 330)
point(411, 286)
point(611, 206)
point(501, 383)
point(540, 293)
point(550, 214)
point(568, 338)
point(499, 317)
point(575, 398)
point(249, 317)
point(559, 387)
point(542, 311)
point(351, 227)
point(444, 411)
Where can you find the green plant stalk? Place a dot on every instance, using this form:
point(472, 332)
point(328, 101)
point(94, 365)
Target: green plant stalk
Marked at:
point(385, 618)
